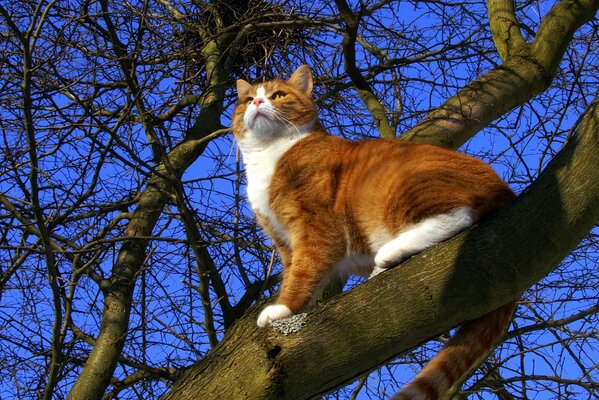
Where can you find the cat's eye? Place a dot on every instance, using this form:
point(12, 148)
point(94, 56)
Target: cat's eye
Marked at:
point(278, 94)
point(248, 100)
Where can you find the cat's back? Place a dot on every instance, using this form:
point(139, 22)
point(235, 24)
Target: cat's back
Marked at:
point(372, 156)
point(323, 152)
point(383, 161)
point(411, 181)
point(388, 174)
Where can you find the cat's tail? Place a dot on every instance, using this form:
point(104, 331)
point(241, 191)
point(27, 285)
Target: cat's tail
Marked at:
point(471, 344)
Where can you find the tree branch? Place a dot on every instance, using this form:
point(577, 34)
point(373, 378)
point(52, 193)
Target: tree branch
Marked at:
point(509, 85)
point(505, 28)
point(376, 108)
point(557, 29)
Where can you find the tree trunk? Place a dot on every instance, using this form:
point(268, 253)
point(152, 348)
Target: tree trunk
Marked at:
point(118, 290)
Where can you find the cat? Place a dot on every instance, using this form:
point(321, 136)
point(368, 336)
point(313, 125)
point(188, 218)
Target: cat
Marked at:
point(336, 207)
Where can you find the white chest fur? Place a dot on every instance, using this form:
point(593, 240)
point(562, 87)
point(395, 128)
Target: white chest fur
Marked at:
point(260, 162)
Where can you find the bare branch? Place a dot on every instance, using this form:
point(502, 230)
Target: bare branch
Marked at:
point(377, 109)
point(505, 28)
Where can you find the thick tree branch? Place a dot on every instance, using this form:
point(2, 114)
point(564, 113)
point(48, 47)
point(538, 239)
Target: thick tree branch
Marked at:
point(461, 279)
point(557, 29)
point(518, 80)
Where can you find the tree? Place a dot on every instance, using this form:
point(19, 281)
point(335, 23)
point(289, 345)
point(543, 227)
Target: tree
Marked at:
point(131, 264)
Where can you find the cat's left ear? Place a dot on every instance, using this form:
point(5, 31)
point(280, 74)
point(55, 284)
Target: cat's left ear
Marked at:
point(243, 87)
point(302, 79)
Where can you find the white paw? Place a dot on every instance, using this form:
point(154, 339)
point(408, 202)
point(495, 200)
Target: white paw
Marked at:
point(389, 255)
point(376, 270)
point(273, 313)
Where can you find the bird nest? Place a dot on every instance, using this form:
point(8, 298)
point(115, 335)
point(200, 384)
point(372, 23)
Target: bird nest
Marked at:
point(253, 32)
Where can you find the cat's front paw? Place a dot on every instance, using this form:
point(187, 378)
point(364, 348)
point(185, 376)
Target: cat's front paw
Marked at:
point(389, 255)
point(273, 313)
point(376, 270)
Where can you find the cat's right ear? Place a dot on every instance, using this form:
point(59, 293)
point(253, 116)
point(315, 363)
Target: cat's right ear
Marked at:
point(243, 87)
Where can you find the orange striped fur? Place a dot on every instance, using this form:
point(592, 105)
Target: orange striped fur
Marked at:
point(333, 207)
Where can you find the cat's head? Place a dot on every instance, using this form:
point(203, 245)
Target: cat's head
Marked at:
point(270, 110)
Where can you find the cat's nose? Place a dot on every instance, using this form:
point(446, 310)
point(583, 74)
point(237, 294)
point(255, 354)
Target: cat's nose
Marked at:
point(257, 101)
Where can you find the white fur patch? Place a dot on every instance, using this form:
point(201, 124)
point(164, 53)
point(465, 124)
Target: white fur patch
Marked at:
point(376, 270)
point(273, 313)
point(260, 163)
point(422, 235)
point(265, 141)
point(355, 263)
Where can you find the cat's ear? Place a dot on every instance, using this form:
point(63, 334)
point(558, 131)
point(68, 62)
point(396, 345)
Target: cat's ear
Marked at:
point(302, 79)
point(243, 87)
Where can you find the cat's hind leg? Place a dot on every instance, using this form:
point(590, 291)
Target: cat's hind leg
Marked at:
point(420, 236)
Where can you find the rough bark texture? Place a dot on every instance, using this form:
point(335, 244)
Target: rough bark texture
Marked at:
point(505, 28)
point(461, 279)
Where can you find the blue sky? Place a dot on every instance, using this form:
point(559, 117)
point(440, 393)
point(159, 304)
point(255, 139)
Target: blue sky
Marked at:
point(172, 333)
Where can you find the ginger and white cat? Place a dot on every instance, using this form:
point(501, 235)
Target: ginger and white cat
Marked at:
point(333, 206)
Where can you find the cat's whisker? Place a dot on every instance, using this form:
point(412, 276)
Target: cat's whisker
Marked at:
point(287, 121)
